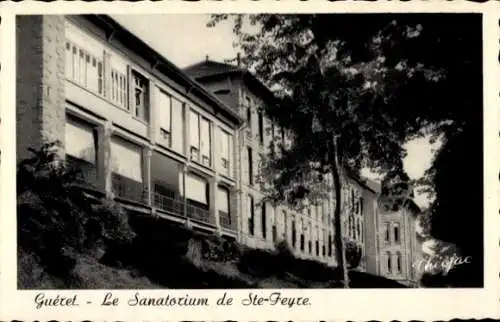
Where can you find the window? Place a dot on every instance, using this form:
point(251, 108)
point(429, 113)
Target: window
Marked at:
point(398, 262)
point(225, 143)
point(223, 205)
point(84, 68)
point(387, 232)
point(205, 142)
point(389, 262)
point(118, 92)
point(199, 139)
point(261, 127)
point(177, 121)
point(81, 148)
point(250, 165)
point(140, 98)
point(197, 189)
point(309, 246)
point(330, 250)
point(251, 215)
point(126, 167)
point(80, 141)
point(358, 228)
point(263, 220)
point(396, 233)
point(275, 232)
point(302, 242)
point(317, 248)
point(249, 112)
point(294, 234)
point(126, 159)
point(164, 104)
point(194, 135)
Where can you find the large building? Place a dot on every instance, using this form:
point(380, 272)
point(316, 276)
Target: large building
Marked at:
point(182, 145)
point(143, 132)
point(309, 232)
point(399, 249)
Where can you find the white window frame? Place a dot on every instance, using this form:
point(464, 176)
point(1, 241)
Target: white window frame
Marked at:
point(164, 106)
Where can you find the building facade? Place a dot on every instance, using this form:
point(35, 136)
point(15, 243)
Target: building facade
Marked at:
point(182, 145)
point(399, 249)
point(310, 232)
point(142, 132)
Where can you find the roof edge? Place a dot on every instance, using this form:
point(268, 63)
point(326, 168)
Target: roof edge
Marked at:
point(122, 34)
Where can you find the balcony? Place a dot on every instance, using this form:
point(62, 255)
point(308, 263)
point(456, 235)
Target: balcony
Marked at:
point(174, 206)
point(128, 189)
point(198, 213)
point(226, 221)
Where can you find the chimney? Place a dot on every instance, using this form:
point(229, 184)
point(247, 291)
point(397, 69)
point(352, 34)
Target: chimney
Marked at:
point(206, 58)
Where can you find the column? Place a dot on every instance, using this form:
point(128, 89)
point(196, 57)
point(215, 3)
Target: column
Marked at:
point(186, 131)
point(107, 74)
point(147, 152)
point(212, 197)
point(153, 122)
point(183, 171)
point(104, 162)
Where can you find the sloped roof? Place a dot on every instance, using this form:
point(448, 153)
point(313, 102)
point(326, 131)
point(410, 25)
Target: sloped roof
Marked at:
point(207, 69)
point(210, 68)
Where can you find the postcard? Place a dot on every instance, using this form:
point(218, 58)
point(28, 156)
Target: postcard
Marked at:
point(211, 160)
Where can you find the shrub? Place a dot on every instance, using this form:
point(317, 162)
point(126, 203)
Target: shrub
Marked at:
point(353, 254)
point(57, 220)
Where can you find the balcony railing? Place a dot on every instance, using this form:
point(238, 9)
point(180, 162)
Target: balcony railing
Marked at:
point(199, 214)
point(168, 204)
point(126, 188)
point(225, 220)
point(175, 206)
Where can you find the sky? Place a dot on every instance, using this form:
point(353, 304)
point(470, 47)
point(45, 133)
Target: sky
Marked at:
point(184, 39)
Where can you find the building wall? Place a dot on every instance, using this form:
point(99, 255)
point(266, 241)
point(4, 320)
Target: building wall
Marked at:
point(408, 246)
point(40, 93)
point(313, 224)
point(47, 95)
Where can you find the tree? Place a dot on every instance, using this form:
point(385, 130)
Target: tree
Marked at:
point(352, 96)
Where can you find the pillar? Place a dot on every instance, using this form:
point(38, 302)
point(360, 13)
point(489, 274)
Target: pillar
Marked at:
point(104, 160)
point(147, 152)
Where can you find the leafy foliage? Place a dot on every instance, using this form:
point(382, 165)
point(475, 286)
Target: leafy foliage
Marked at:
point(353, 254)
point(375, 88)
point(57, 220)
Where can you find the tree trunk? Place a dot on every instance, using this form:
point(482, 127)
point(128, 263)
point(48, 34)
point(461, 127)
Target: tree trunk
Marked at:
point(337, 218)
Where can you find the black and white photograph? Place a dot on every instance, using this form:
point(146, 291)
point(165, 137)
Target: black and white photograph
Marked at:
point(249, 152)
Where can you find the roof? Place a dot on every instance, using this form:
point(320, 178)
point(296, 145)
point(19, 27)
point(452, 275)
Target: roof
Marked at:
point(210, 68)
point(207, 70)
point(162, 64)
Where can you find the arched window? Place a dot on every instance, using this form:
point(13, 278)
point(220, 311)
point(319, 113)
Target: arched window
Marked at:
point(389, 261)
